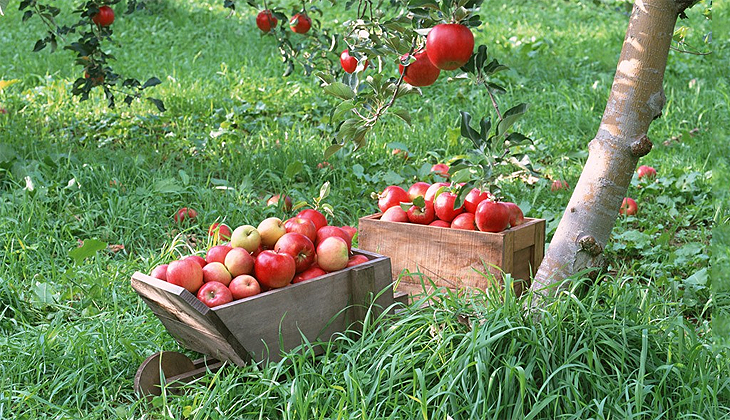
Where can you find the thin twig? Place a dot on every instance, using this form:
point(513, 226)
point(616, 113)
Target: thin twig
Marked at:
point(689, 52)
point(494, 101)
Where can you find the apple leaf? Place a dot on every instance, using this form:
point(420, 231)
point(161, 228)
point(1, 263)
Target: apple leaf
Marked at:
point(293, 169)
point(88, 249)
point(467, 131)
point(510, 117)
point(419, 201)
point(406, 206)
point(3, 6)
point(324, 191)
point(339, 90)
point(332, 149)
point(342, 109)
point(403, 114)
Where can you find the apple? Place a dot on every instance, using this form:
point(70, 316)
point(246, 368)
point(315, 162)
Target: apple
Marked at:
point(239, 261)
point(350, 230)
point(265, 20)
point(473, 198)
point(444, 206)
point(558, 185)
point(402, 153)
point(244, 286)
point(421, 215)
point(184, 214)
point(357, 259)
point(96, 75)
point(418, 189)
point(271, 229)
point(441, 169)
point(3, 111)
point(420, 72)
point(440, 223)
point(214, 294)
point(391, 196)
point(274, 201)
point(301, 225)
point(395, 214)
point(300, 23)
point(449, 45)
point(219, 231)
point(198, 259)
point(328, 231)
point(246, 237)
point(628, 207)
point(464, 221)
point(646, 171)
point(516, 217)
point(274, 269)
point(309, 274)
point(333, 254)
point(315, 216)
point(349, 63)
point(298, 246)
point(492, 216)
point(104, 17)
point(217, 253)
point(185, 273)
point(160, 272)
point(433, 189)
point(216, 271)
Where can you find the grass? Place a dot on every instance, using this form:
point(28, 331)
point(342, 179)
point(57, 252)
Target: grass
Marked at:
point(638, 343)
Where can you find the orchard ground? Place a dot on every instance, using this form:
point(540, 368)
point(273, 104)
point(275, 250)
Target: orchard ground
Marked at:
point(642, 341)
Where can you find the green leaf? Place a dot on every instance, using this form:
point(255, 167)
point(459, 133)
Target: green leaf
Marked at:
point(166, 186)
point(324, 190)
point(339, 90)
point(342, 109)
point(517, 138)
point(184, 177)
point(158, 103)
point(463, 192)
point(494, 67)
point(419, 201)
point(331, 150)
point(510, 117)
point(326, 78)
point(152, 81)
point(467, 131)
point(88, 249)
point(293, 169)
point(462, 175)
point(3, 6)
point(402, 114)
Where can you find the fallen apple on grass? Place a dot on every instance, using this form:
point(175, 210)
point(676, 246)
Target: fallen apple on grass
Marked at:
point(275, 201)
point(441, 169)
point(628, 207)
point(646, 172)
point(219, 231)
point(184, 214)
point(558, 185)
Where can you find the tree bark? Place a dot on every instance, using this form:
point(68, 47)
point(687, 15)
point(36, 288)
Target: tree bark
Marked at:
point(636, 98)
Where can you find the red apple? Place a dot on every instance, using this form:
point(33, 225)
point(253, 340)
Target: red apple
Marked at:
point(440, 223)
point(395, 214)
point(349, 63)
point(309, 274)
point(492, 216)
point(198, 259)
point(433, 189)
point(646, 171)
point(473, 199)
point(464, 221)
point(420, 72)
point(444, 206)
point(105, 17)
point(300, 23)
point(328, 231)
point(418, 189)
point(246, 237)
point(449, 45)
point(301, 225)
point(332, 254)
point(216, 271)
point(271, 229)
point(274, 269)
point(160, 272)
point(628, 207)
point(421, 215)
point(516, 217)
point(315, 216)
point(441, 169)
point(274, 201)
point(350, 230)
point(185, 273)
point(238, 261)
point(391, 196)
point(215, 294)
point(219, 231)
point(357, 259)
point(217, 253)
point(185, 213)
point(559, 184)
point(244, 286)
point(298, 246)
point(265, 20)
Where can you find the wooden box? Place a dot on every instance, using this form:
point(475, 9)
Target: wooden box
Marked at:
point(454, 258)
point(258, 327)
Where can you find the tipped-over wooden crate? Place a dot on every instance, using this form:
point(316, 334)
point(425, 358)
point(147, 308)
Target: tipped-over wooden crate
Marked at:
point(258, 328)
point(454, 258)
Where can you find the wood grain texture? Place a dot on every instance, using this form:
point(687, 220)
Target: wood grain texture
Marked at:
point(454, 258)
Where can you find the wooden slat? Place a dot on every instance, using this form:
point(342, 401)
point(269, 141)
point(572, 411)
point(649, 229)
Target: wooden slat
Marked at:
point(539, 251)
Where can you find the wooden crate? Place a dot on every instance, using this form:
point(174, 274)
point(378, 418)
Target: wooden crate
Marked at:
point(258, 327)
point(454, 258)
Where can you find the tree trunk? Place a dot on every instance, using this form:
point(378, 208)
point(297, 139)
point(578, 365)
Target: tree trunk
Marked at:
point(635, 100)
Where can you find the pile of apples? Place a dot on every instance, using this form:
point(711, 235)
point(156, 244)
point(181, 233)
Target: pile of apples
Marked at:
point(434, 205)
point(273, 255)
